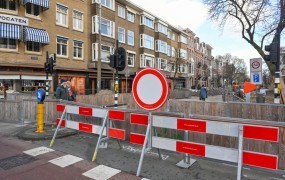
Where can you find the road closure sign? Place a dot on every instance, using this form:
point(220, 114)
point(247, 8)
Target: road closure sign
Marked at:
point(256, 65)
point(150, 89)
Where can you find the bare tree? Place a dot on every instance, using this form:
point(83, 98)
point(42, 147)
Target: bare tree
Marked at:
point(234, 68)
point(175, 65)
point(257, 20)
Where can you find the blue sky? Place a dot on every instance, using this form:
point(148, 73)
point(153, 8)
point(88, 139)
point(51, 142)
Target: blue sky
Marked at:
point(193, 14)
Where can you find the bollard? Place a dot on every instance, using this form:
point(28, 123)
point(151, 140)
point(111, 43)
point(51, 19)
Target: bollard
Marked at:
point(40, 118)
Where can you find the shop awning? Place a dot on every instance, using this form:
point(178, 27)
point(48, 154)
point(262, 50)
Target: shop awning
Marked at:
point(9, 77)
point(42, 3)
point(10, 31)
point(30, 77)
point(36, 35)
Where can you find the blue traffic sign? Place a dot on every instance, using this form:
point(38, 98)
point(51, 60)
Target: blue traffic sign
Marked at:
point(41, 94)
point(256, 78)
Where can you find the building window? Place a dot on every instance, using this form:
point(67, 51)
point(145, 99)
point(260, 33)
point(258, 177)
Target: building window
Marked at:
point(32, 9)
point(161, 28)
point(169, 34)
point(146, 61)
point(78, 49)
point(161, 46)
point(161, 64)
point(107, 27)
point(61, 15)
point(8, 5)
point(131, 59)
point(171, 67)
point(106, 52)
point(121, 12)
point(107, 3)
point(147, 41)
point(147, 21)
point(168, 50)
point(131, 16)
point(183, 53)
point(173, 52)
point(62, 46)
point(121, 35)
point(131, 38)
point(173, 37)
point(9, 44)
point(183, 39)
point(33, 46)
point(78, 20)
point(182, 68)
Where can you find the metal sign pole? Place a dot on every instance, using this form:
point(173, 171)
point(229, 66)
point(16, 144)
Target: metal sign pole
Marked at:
point(240, 150)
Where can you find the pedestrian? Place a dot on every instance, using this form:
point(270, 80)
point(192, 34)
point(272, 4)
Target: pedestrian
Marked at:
point(71, 93)
point(61, 90)
point(203, 93)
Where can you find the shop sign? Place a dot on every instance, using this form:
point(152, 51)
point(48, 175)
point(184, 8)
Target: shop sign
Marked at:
point(13, 20)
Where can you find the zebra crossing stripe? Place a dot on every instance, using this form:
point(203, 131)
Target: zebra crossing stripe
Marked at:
point(65, 161)
point(101, 172)
point(38, 151)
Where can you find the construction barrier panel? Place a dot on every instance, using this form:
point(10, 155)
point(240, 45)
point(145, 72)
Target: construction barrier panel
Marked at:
point(174, 121)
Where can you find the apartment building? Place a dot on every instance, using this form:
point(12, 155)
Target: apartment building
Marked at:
point(70, 29)
point(29, 29)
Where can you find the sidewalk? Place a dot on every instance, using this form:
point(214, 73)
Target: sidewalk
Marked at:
point(217, 98)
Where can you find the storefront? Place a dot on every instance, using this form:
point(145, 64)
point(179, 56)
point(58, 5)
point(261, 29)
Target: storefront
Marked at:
point(77, 83)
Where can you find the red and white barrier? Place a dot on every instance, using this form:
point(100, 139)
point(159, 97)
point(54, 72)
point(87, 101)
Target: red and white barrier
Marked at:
point(263, 133)
point(84, 111)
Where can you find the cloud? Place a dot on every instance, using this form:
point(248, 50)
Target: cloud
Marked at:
point(185, 13)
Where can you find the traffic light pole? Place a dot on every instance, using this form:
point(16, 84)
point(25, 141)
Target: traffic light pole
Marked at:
point(47, 88)
point(277, 69)
point(116, 78)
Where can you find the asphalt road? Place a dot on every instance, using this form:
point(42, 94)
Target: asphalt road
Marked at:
point(126, 159)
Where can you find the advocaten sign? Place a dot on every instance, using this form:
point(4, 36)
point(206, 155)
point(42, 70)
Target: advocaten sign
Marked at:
point(13, 20)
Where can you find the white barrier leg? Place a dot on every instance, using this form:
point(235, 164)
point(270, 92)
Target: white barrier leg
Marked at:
point(100, 136)
point(57, 128)
point(144, 149)
point(158, 150)
point(240, 150)
point(186, 162)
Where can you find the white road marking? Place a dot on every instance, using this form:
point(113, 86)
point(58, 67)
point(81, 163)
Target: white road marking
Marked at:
point(38, 151)
point(145, 179)
point(101, 172)
point(66, 160)
point(235, 166)
point(275, 178)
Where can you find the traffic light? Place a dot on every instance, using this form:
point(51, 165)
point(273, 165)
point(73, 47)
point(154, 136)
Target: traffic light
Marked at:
point(51, 65)
point(113, 61)
point(273, 50)
point(121, 58)
point(47, 67)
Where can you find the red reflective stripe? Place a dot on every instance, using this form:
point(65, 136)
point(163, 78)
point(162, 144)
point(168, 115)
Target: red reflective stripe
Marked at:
point(85, 127)
point(190, 148)
point(137, 138)
point(62, 122)
point(117, 133)
point(260, 160)
point(140, 119)
point(60, 107)
point(191, 125)
point(117, 115)
point(85, 111)
point(261, 133)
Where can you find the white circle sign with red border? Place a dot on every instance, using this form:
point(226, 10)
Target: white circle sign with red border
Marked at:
point(150, 89)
